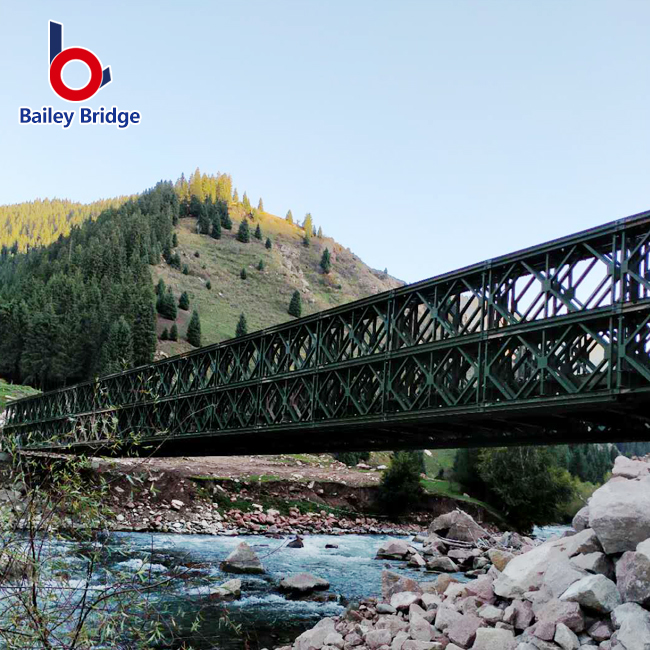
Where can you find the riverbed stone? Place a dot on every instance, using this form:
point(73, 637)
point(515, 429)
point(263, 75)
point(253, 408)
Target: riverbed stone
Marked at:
point(314, 638)
point(420, 629)
point(633, 627)
point(442, 563)
point(595, 592)
point(334, 640)
point(242, 560)
point(560, 575)
point(500, 558)
point(600, 631)
point(490, 614)
point(462, 632)
point(377, 638)
point(459, 526)
point(385, 608)
point(567, 639)
point(393, 583)
point(628, 468)
point(619, 513)
point(393, 549)
point(558, 611)
point(633, 578)
point(303, 583)
point(482, 588)
point(404, 599)
point(493, 639)
point(519, 614)
point(594, 563)
point(446, 616)
point(581, 519)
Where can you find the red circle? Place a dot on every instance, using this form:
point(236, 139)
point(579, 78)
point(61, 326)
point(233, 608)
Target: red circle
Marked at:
point(76, 54)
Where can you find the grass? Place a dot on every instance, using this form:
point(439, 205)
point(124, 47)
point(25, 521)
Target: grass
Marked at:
point(264, 296)
point(440, 459)
point(10, 392)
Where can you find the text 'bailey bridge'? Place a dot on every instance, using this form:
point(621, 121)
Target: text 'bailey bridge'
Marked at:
point(546, 345)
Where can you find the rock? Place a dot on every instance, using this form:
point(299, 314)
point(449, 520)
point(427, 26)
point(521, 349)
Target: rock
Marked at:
point(393, 549)
point(558, 611)
point(566, 638)
point(481, 588)
point(458, 525)
point(560, 575)
point(417, 561)
point(442, 563)
point(443, 582)
point(628, 468)
point(462, 632)
point(296, 542)
point(176, 504)
point(600, 631)
point(385, 608)
point(633, 627)
point(586, 541)
point(581, 519)
point(314, 639)
point(404, 599)
point(378, 638)
point(633, 578)
point(499, 558)
point(519, 614)
point(445, 617)
point(595, 592)
point(490, 614)
point(544, 630)
point(594, 563)
point(334, 640)
point(230, 590)
point(242, 560)
point(303, 583)
point(431, 601)
point(420, 629)
point(490, 639)
point(393, 583)
point(619, 513)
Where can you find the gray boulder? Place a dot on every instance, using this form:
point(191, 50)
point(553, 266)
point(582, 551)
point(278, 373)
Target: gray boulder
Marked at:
point(458, 525)
point(628, 468)
point(393, 583)
point(493, 639)
point(633, 627)
point(594, 563)
point(619, 513)
point(581, 520)
point(566, 638)
point(242, 560)
point(393, 549)
point(462, 632)
point(303, 583)
point(442, 563)
point(633, 578)
point(314, 639)
point(595, 592)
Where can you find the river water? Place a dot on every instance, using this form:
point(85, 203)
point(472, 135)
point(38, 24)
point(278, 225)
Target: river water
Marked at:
point(262, 618)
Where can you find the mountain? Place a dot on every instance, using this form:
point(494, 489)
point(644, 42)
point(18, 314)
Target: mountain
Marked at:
point(85, 305)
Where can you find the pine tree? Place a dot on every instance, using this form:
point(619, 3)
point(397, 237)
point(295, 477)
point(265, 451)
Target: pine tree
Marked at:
point(208, 285)
point(167, 305)
point(173, 333)
point(260, 205)
point(325, 261)
point(260, 265)
point(242, 326)
point(243, 275)
point(144, 329)
point(165, 335)
point(226, 221)
point(216, 229)
point(117, 352)
point(174, 240)
point(320, 233)
point(160, 288)
point(244, 233)
point(289, 217)
point(184, 301)
point(308, 224)
point(203, 224)
point(268, 244)
point(194, 330)
point(235, 196)
point(258, 232)
point(295, 306)
point(246, 203)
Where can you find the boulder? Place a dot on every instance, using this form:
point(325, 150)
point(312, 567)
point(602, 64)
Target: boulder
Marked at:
point(481, 588)
point(314, 638)
point(445, 617)
point(393, 583)
point(377, 638)
point(499, 558)
point(558, 611)
point(560, 575)
point(230, 590)
point(303, 583)
point(594, 563)
point(334, 640)
point(519, 614)
point(458, 525)
point(490, 614)
point(242, 560)
point(404, 599)
point(393, 549)
point(628, 468)
point(420, 629)
point(493, 639)
point(633, 578)
point(619, 513)
point(632, 623)
point(566, 638)
point(462, 632)
point(581, 519)
point(595, 592)
point(442, 563)
point(296, 542)
point(600, 631)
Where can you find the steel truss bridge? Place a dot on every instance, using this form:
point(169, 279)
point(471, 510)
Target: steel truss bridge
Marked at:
point(546, 345)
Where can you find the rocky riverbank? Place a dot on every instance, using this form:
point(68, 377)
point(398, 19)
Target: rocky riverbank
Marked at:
point(589, 589)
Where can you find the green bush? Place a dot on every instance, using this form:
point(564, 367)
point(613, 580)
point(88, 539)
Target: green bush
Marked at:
point(352, 458)
point(401, 488)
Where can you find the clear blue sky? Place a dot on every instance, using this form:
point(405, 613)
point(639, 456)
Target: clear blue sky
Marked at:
point(423, 135)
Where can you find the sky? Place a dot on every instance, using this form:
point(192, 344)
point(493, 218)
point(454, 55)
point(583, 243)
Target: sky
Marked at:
point(425, 136)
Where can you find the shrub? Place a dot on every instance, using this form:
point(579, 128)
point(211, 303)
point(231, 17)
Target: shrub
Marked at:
point(400, 489)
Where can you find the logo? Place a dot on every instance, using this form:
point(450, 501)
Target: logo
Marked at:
point(99, 76)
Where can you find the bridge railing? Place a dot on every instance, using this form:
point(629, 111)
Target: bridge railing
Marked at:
point(568, 317)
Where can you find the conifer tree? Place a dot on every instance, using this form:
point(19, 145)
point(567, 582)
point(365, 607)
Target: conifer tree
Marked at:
point(325, 261)
point(165, 335)
point(245, 202)
point(160, 288)
point(258, 232)
point(268, 244)
point(216, 229)
point(144, 329)
point(208, 285)
point(243, 275)
point(289, 217)
point(174, 240)
point(244, 233)
point(320, 233)
point(117, 351)
point(203, 224)
point(173, 333)
point(235, 196)
point(194, 330)
point(260, 205)
point(260, 265)
point(295, 306)
point(242, 326)
point(184, 301)
point(226, 221)
point(186, 269)
point(167, 306)
point(308, 224)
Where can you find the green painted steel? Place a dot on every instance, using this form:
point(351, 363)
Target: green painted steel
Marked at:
point(548, 344)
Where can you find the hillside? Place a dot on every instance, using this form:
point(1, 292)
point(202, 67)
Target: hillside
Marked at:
point(265, 295)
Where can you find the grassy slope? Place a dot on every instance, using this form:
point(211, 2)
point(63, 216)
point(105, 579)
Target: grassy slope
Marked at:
point(264, 297)
point(13, 391)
